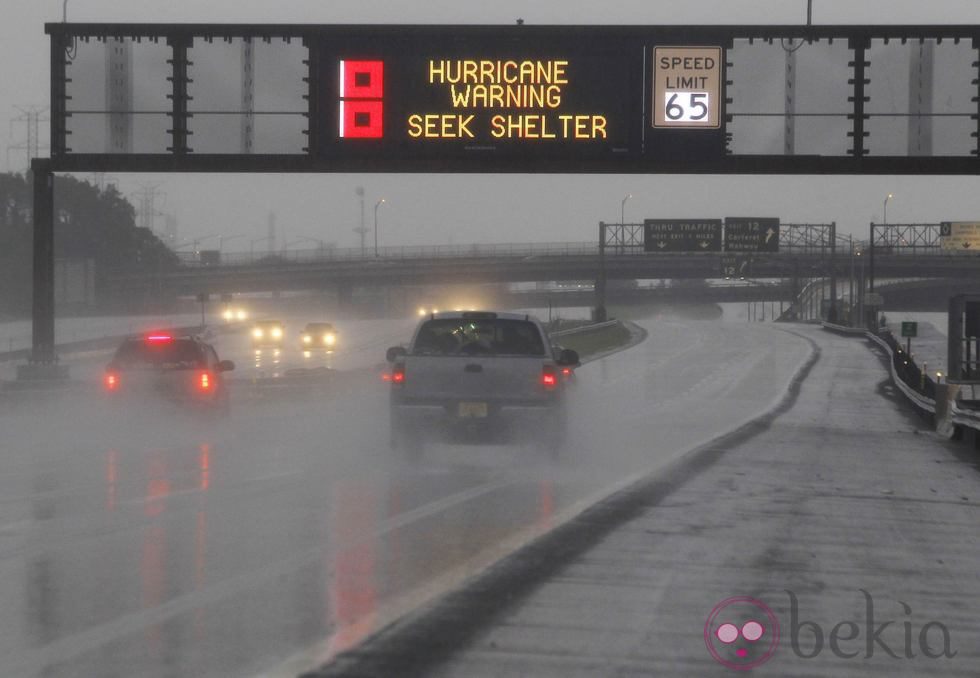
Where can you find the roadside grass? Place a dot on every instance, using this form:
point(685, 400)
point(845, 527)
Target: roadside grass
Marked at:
point(587, 344)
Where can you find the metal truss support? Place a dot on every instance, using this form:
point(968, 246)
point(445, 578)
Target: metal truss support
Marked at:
point(248, 96)
point(976, 101)
point(179, 97)
point(59, 95)
point(832, 311)
point(599, 313)
point(859, 80)
point(871, 258)
point(313, 103)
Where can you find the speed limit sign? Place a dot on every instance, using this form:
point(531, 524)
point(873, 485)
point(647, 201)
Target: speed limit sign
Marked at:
point(687, 87)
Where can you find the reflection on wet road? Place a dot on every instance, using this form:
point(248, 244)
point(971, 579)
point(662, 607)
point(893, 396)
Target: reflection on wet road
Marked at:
point(149, 544)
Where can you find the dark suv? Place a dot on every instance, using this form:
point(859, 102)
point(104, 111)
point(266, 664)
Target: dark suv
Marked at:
point(181, 369)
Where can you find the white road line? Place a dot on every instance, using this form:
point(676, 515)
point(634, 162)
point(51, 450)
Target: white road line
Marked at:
point(76, 644)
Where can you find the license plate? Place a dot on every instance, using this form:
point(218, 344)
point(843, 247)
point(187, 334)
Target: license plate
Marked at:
point(472, 410)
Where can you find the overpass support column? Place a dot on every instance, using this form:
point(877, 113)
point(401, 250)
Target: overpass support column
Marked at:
point(599, 312)
point(42, 335)
point(42, 363)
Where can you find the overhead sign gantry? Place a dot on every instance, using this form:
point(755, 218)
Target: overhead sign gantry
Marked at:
point(519, 98)
point(563, 99)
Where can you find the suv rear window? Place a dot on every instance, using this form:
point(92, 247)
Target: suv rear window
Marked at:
point(176, 354)
point(465, 336)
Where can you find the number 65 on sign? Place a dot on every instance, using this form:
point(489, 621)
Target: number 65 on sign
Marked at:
point(686, 106)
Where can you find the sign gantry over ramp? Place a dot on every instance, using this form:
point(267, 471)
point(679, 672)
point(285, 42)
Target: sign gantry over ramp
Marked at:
point(564, 99)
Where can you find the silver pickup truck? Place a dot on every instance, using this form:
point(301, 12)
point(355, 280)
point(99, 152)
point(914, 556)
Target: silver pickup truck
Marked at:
point(478, 376)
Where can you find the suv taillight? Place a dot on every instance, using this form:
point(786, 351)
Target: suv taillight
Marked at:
point(549, 378)
point(204, 381)
point(111, 381)
point(398, 374)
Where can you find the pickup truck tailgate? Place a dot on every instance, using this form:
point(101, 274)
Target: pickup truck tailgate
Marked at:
point(462, 378)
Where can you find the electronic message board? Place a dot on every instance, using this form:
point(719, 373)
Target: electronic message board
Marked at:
point(513, 98)
point(682, 235)
point(433, 96)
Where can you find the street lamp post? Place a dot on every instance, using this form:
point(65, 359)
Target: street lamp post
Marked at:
point(361, 230)
point(376, 206)
point(861, 284)
point(884, 211)
point(622, 209)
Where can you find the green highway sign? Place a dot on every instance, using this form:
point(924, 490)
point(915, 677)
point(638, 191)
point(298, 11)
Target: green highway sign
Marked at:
point(910, 329)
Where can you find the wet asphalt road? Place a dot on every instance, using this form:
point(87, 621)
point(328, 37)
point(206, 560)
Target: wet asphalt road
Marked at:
point(841, 527)
point(149, 543)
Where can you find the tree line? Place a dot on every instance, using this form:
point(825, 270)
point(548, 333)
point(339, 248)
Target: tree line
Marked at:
point(89, 223)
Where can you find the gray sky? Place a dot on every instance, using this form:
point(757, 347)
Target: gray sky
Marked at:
point(434, 209)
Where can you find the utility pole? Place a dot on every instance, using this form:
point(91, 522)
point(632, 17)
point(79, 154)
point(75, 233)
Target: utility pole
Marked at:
point(147, 212)
point(31, 117)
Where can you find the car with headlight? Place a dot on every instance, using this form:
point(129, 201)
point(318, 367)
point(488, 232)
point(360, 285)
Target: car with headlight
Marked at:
point(478, 376)
point(268, 333)
point(165, 365)
point(233, 314)
point(318, 335)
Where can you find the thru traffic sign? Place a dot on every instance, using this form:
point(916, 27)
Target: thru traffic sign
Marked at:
point(682, 235)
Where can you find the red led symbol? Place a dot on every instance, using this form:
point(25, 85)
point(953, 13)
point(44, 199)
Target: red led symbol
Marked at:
point(361, 94)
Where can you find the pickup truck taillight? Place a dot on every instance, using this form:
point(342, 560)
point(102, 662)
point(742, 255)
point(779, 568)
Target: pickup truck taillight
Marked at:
point(549, 378)
point(204, 381)
point(398, 374)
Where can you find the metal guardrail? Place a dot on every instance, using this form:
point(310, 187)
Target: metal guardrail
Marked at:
point(969, 417)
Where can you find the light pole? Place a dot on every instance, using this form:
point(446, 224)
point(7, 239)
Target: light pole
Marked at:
point(884, 211)
point(376, 206)
point(360, 230)
point(861, 283)
point(622, 209)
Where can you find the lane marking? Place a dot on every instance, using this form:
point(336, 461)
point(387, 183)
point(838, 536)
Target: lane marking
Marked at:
point(64, 649)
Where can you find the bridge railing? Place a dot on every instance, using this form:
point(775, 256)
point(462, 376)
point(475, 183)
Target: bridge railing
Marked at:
point(319, 254)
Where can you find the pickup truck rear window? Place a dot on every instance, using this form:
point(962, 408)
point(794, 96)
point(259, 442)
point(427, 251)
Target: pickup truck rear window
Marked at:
point(178, 354)
point(463, 336)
